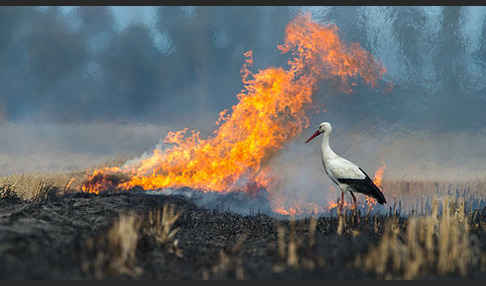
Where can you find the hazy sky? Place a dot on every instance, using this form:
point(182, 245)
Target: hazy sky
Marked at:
point(126, 15)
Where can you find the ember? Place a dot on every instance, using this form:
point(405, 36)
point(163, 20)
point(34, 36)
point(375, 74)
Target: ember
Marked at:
point(101, 180)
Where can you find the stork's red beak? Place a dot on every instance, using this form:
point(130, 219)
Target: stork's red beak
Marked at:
point(317, 133)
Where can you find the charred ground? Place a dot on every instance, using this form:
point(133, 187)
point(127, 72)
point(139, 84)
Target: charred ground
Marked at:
point(142, 236)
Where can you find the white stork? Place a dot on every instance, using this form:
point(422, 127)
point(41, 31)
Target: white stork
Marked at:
point(346, 175)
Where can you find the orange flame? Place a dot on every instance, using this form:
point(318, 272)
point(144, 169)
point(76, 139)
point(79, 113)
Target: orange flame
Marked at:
point(378, 180)
point(270, 113)
point(101, 180)
point(297, 208)
point(332, 205)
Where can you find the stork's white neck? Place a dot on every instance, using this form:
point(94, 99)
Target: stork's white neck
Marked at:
point(327, 152)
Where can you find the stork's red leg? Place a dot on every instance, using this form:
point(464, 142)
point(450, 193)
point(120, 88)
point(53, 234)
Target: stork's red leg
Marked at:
point(341, 203)
point(355, 204)
point(355, 208)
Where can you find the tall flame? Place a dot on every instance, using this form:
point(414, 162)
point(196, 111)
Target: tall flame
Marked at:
point(378, 178)
point(270, 113)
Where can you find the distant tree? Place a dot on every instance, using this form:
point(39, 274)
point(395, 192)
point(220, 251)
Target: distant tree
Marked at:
point(351, 23)
point(130, 69)
point(408, 30)
point(449, 65)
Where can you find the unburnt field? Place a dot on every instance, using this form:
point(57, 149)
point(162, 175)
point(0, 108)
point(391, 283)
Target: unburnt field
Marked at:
point(49, 230)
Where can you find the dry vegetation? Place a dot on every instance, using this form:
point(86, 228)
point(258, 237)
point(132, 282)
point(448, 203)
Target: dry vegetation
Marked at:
point(114, 253)
point(37, 186)
point(159, 224)
point(416, 196)
point(430, 244)
point(140, 236)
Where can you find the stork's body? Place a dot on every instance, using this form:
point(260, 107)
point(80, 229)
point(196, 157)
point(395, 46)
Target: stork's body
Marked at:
point(345, 174)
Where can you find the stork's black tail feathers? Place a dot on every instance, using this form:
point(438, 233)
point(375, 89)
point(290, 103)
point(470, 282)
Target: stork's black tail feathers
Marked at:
point(375, 192)
point(366, 187)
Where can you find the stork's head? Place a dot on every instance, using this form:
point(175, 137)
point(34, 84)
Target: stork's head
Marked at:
point(324, 128)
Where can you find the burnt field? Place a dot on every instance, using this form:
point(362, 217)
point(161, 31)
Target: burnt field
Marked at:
point(64, 234)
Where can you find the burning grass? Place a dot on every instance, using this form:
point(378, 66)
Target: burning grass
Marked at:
point(271, 111)
point(37, 186)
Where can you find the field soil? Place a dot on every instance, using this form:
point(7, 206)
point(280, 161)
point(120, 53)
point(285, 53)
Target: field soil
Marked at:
point(66, 237)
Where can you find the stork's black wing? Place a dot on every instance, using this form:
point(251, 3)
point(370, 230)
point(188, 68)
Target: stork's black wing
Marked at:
point(365, 186)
